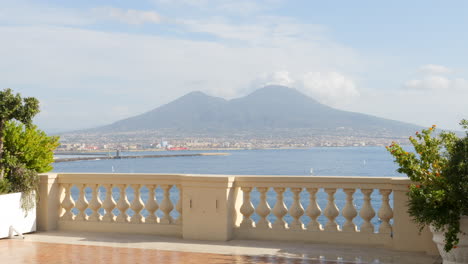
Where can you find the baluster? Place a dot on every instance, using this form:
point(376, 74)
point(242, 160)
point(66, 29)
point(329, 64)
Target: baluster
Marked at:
point(385, 212)
point(67, 204)
point(122, 205)
point(81, 204)
point(367, 212)
point(331, 211)
point(296, 210)
point(95, 203)
point(108, 205)
point(247, 208)
point(313, 210)
point(166, 205)
point(279, 210)
point(179, 205)
point(349, 211)
point(151, 205)
point(137, 205)
point(263, 209)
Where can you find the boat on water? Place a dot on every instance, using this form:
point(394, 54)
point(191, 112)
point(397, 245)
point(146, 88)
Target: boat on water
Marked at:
point(177, 148)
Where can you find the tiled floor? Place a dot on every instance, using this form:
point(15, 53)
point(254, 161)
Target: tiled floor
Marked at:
point(59, 247)
point(18, 251)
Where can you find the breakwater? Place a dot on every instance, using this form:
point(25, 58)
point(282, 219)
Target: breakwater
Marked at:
point(139, 157)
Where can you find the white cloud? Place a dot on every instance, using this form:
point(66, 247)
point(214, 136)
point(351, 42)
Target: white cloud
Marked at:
point(24, 13)
point(265, 31)
point(434, 69)
point(331, 88)
point(128, 16)
point(68, 66)
point(236, 7)
point(279, 78)
point(183, 2)
point(101, 70)
point(436, 82)
point(460, 84)
point(422, 107)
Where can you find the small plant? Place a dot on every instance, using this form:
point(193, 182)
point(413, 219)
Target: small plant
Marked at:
point(438, 195)
point(4, 186)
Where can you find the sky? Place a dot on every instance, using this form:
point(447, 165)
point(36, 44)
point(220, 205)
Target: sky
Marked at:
point(91, 63)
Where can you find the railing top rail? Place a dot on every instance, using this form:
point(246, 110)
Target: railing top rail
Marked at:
point(239, 180)
point(322, 182)
point(116, 178)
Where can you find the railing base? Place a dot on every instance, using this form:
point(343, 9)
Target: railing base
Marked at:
point(150, 229)
point(339, 237)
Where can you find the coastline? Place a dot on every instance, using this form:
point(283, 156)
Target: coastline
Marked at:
point(96, 152)
point(139, 157)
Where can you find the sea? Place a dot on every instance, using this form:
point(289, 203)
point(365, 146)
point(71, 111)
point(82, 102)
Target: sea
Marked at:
point(318, 161)
point(321, 161)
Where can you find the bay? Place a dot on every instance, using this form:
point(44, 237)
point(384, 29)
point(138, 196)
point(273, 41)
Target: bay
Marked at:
point(325, 161)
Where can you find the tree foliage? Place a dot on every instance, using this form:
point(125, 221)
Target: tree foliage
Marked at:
point(439, 171)
point(25, 150)
point(14, 107)
point(29, 146)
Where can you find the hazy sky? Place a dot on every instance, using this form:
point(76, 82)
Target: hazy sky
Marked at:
point(94, 62)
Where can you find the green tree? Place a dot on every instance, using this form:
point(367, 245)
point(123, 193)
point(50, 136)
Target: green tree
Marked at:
point(14, 107)
point(29, 146)
point(27, 152)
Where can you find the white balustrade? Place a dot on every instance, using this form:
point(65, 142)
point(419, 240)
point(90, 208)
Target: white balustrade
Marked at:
point(296, 210)
point(108, 205)
point(81, 204)
point(151, 205)
point(367, 212)
point(331, 211)
point(179, 205)
point(95, 203)
point(279, 210)
point(247, 208)
point(313, 210)
point(122, 204)
point(166, 205)
point(385, 212)
point(329, 191)
point(67, 204)
point(349, 211)
point(263, 209)
point(136, 205)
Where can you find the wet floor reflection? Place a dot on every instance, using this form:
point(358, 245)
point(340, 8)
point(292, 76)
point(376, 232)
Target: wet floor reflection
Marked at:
point(14, 251)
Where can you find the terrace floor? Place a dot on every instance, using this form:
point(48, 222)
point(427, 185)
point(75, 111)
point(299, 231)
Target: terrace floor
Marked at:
point(72, 247)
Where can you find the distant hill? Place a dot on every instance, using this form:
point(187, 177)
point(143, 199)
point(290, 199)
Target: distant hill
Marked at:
point(269, 109)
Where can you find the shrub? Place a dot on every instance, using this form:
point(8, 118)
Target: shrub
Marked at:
point(27, 152)
point(439, 171)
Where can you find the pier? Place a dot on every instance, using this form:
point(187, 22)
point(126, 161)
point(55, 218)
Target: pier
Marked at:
point(138, 156)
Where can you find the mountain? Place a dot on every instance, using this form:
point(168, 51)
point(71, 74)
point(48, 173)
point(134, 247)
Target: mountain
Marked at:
point(269, 109)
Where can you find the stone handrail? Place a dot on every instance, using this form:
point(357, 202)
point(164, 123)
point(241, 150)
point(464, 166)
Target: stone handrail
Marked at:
point(301, 186)
point(220, 207)
point(114, 209)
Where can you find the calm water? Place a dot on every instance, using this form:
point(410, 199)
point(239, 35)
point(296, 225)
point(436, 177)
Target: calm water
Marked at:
point(348, 161)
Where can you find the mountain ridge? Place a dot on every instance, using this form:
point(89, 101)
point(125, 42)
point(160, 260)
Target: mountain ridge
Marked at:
point(266, 109)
